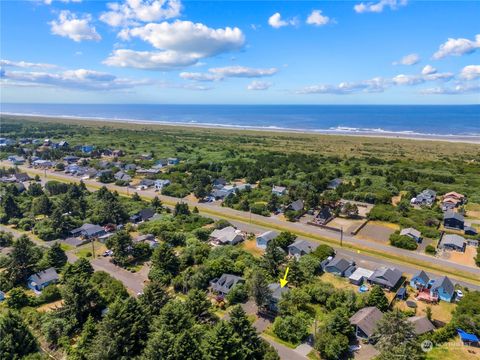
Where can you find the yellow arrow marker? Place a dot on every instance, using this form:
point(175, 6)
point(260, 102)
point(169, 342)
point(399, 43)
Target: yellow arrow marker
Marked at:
point(284, 281)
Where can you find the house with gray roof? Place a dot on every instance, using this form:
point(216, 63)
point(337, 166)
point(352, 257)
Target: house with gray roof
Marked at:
point(226, 236)
point(301, 247)
point(88, 231)
point(421, 325)
point(340, 266)
point(297, 205)
point(335, 183)
point(426, 197)
point(121, 176)
point(387, 278)
point(365, 321)
point(225, 283)
point(37, 282)
point(413, 233)
point(443, 288)
point(277, 291)
point(453, 242)
point(279, 190)
point(453, 220)
point(420, 280)
point(265, 238)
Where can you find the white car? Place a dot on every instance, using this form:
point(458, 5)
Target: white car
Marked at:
point(459, 294)
point(141, 187)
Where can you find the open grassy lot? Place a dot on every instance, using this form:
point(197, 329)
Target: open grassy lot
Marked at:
point(377, 231)
point(454, 350)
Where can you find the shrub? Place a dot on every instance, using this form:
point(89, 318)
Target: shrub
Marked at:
point(331, 346)
point(26, 224)
point(403, 241)
point(237, 295)
point(49, 294)
point(430, 249)
point(292, 328)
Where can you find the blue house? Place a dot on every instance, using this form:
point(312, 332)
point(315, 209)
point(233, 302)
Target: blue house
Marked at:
point(37, 282)
point(2, 296)
point(443, 288)
point(340, 266)
point(420, 280)
point(265, 238)
point(87, 149)
point(173, 161)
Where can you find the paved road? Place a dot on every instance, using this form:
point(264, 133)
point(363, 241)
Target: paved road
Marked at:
point(284, 352)
point(401, 258)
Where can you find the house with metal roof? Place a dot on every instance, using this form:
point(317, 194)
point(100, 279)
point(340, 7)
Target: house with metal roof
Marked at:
point(226, 236)
point(88, 231)
point(413, 233)
point(359, 276)
point(365, 321)
point(37, 282)
point(452, 242)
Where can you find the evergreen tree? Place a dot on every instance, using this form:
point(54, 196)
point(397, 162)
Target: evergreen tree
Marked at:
point(81, 300)
point(122, 333)
point(396, 338)
point(174, 317)
point(154, 298)
point(16, 340)
point(165, 264)
point(377, 298)
point(199, 305)
point(56, 257)
point(79, 269)
point(222, 343)
point(122, 245)
point(42, 205)
point(23, 258)
point(10, 208)
point(258, 289)
point(252, 345)
point(186, 347)
point(157, 204)
point(85, 340)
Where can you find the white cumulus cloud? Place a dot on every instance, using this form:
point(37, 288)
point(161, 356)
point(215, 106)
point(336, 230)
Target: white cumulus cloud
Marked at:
point(243, 71)
point(470, 72)
point(259, 85)
point(73, 27)
point(179, 44)
point(317, 19)
point(458, 89)
point(377, 7)
point(276, 21)
point(188, 37)
point(151, 60)
point(428, 69)
point(197, 76)
point(131, 12)
point(410, 59)
point(79, 79)
point(25, 64)
point(457, 47)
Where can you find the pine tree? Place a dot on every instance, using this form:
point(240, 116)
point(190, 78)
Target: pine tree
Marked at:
point(154, 298)
point(10, 208)
point(56, 257)
point(16, 341)
point(253, 346)
point(122, 333)
point(22, 260)
point(186, 347)
point(258, 288)
point(377, 298)
point(222, 343)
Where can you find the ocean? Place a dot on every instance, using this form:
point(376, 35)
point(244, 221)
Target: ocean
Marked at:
point(429, 120)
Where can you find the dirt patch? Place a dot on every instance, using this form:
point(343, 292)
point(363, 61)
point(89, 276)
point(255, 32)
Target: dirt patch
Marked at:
point(396, 200)
point(251, 247)
point(51, 306)
point(465, 258)
point(348, 224)
point(377, 231)
point(191, 198)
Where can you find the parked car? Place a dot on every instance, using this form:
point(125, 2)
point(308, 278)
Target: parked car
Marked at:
point(108, 253)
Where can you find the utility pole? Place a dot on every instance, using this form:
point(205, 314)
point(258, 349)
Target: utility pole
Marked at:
point(341, 236)
point(93, 248)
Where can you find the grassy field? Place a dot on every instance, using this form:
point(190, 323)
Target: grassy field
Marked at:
point(454, 351)
point(185, 141)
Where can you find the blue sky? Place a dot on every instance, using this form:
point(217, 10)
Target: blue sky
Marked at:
point(228, 52)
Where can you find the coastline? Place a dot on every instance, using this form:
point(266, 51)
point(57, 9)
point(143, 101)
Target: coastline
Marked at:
point(362, 133)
